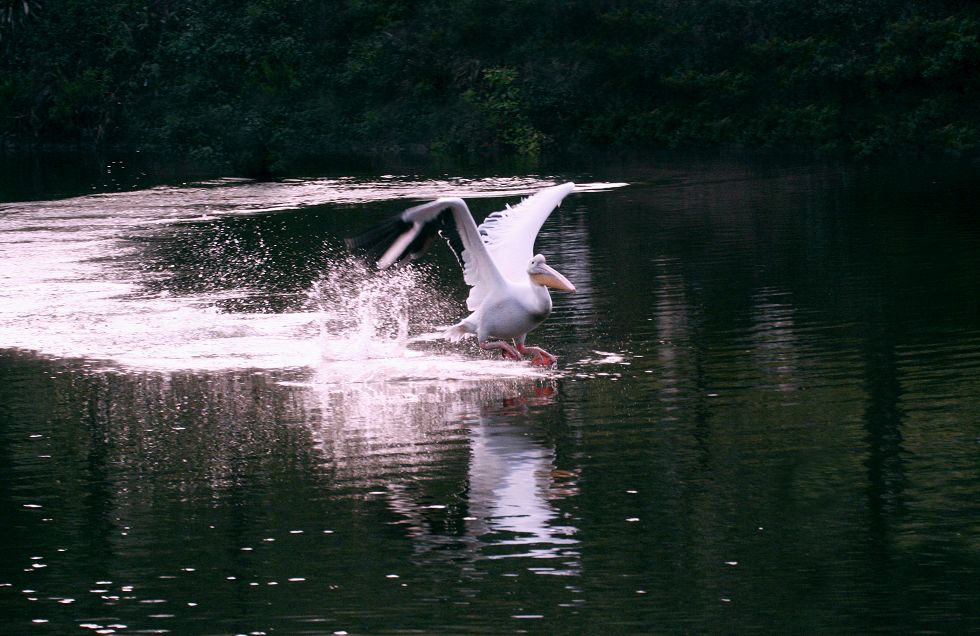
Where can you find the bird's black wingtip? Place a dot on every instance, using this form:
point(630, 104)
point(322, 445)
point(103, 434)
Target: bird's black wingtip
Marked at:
point(413, 237)
point(376, 240)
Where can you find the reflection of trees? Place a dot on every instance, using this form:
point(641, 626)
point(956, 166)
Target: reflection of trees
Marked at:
point(564, 240)
point(886, 481)
point(762, 387)
point(883, 419)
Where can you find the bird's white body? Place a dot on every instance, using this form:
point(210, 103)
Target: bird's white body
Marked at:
point(507, 312)
point(509, 283)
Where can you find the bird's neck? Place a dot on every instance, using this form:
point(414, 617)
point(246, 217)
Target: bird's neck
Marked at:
point(542, 298)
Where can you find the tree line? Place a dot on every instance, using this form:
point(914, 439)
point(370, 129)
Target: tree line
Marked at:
point(255, 82)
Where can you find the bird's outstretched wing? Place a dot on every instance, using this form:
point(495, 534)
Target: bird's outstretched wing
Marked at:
point(409, 235)
point(498, 250)
point(405, 237)
point(509, 234)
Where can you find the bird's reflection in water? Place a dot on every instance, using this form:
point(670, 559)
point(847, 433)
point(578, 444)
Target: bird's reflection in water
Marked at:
point(466, 468)
point(514, 483)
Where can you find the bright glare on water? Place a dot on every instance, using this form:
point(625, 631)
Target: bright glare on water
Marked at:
point(763, 418)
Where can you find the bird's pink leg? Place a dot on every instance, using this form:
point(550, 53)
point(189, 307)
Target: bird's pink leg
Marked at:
point(541, 357)
point(509, 352)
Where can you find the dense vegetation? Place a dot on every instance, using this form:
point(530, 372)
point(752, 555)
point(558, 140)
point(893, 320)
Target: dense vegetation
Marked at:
point(256, 81)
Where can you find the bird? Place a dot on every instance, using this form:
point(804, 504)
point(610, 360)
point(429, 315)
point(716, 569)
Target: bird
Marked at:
point(509, 283)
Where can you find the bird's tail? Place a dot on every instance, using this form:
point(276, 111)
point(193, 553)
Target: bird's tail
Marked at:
point(457, 332)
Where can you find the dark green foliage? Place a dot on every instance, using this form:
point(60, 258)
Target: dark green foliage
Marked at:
point(255, 82)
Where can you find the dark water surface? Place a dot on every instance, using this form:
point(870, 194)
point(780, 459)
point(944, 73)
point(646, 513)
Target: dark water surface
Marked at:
point(765, 418)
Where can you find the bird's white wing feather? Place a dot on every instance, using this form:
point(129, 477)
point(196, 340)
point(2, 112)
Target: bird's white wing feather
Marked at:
point(509, 234)
point(497, 251)
point(479, 269)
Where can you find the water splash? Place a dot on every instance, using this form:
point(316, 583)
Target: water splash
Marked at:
point(387, 325)
point(367, 314)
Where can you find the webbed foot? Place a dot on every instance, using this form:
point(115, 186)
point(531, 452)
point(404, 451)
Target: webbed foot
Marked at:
point(541, 358)
point(508, 351)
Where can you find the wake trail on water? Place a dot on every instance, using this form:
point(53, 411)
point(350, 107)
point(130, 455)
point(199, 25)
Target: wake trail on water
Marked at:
point(79, 280)
point(356, 325)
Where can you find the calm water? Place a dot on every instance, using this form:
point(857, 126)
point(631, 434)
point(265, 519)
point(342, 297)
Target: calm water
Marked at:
point(765, 417)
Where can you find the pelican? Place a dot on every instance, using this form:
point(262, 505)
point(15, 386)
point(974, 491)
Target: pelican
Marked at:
point(509, 295)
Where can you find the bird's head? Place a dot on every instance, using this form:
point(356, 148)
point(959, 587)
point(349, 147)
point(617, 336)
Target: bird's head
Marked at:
point(543, 274)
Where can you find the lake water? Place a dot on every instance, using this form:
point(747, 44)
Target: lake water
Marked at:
point(765, 416)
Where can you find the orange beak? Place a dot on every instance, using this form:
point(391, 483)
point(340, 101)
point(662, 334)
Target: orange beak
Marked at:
point(548, 276)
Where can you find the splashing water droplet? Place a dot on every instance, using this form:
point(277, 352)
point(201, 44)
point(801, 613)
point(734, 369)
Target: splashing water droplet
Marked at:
point(369, 314)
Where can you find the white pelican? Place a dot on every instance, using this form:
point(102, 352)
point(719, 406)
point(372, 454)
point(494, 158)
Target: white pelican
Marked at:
point(509, 295)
